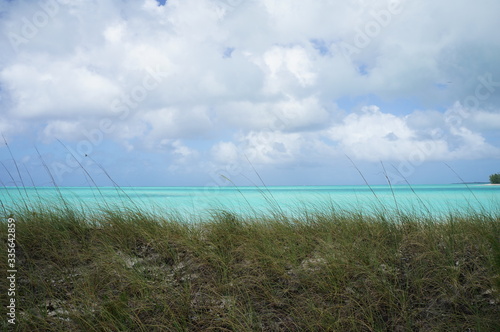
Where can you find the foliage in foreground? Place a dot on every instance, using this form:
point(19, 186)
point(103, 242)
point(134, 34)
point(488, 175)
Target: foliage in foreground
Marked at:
point(130, 270)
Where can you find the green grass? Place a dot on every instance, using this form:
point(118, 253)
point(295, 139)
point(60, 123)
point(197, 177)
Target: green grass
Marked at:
point(120, 270)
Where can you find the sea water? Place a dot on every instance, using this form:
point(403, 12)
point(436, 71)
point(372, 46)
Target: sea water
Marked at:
point(290, 200)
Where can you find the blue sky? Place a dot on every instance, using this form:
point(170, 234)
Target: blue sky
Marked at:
point(183, 92)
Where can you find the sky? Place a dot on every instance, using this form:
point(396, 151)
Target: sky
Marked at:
point(243, 92)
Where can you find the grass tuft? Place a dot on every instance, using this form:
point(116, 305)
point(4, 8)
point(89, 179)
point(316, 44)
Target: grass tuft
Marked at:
point(122, 269)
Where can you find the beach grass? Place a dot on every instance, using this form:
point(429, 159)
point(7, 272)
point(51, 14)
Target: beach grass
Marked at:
point(117, 269)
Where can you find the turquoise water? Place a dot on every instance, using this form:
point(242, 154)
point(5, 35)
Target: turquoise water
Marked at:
point(436, 199)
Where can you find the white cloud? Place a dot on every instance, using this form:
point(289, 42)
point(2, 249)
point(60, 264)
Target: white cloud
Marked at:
point(425, 120)
point(225, 153)
point(115, 32)
point(262, 77)
point(45, 89)
point(482, 120)
point(172, 123)
point(6, 126)
point(60, 129)
point(287, 114)
point(470, 145)
point(273, 148)
point(286, 66)
point(374, 135)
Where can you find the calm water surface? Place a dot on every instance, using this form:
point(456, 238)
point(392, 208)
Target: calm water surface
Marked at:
point(436, 199)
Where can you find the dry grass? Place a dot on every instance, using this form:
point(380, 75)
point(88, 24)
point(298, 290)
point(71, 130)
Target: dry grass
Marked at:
point(118, 270)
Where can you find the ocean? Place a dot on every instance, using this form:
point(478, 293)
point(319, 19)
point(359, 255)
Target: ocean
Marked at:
point(291, 200)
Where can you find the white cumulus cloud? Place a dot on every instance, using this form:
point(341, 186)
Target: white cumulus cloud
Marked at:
point(283, 82)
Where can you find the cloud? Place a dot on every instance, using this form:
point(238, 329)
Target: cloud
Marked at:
point(272, 148)
point(60, 129)
point(287, 114)
point(46, 89)
point(374, 135)
point(183, 155)
point(225, 152)
point(484, 120)
point(285, 66)
point(206, 81)
point(172, 123)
